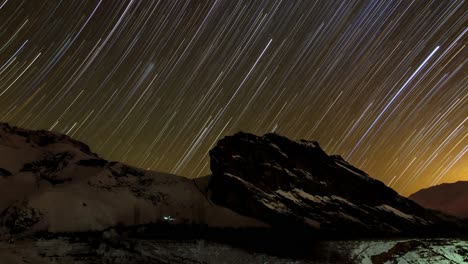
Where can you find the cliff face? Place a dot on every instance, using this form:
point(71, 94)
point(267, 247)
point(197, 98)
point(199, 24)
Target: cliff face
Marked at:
point(295, 184)
point(450, 198)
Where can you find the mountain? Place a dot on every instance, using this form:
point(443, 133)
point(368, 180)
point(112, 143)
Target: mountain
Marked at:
point(295, 185)
point(269, 200)
point(450, 198)
point(52, 183)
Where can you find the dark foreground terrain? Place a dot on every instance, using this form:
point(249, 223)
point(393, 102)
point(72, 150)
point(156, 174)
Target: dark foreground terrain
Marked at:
point(111, 248)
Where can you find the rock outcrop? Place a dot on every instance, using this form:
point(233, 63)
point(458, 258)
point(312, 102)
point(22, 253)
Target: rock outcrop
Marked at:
point(295, 185)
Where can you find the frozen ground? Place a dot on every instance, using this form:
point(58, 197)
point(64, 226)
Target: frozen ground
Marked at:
point(118, 250)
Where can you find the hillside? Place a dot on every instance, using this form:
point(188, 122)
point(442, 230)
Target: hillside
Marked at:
point(450, 198)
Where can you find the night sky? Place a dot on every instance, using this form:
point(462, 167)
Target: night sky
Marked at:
point(156, 83)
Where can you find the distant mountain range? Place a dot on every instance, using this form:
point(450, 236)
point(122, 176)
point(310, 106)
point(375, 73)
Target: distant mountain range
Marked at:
point(450, 198)
point(53, 184)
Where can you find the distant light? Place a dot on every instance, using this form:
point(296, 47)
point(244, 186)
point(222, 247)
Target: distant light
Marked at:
point(168, 218)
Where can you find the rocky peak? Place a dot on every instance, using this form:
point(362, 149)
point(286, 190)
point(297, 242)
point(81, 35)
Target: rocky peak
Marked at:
point(287, 183)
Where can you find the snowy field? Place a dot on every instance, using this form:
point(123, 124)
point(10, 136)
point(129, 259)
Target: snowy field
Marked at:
point(73, 250)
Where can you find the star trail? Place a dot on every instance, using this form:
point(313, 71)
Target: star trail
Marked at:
point(156, 83)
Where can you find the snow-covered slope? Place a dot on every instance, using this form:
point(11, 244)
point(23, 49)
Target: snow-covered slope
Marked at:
point(50, 182)
point(295, 185)
point(450, 198)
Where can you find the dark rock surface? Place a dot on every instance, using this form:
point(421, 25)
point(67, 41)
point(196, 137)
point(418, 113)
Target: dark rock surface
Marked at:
point(93, 162)
point(450, 198)
point(49, 167)
point(4, 173)
point(19, 217)
point(296, 185)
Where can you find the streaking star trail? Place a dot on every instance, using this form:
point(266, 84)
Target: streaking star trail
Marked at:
point(157, 83)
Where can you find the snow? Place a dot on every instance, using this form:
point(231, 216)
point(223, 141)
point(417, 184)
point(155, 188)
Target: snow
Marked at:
point(275, 206)
point(308, 175)
point(346, 216)
point(287, 195)
point(395, 211)
point(352, 171)
point(96, 199)
point(62, 250)
point(437, 251)
point(118, 249)
point(343, 200)
point(279, 150)
point(310, 144)
point(309, 197)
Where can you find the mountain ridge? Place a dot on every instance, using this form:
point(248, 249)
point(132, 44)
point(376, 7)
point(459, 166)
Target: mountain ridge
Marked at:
point(296, 183)
point(57, 184)
point(269, 199)
point(450, 198)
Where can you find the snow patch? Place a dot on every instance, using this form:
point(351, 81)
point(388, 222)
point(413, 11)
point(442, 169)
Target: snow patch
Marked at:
point(343, 200)
point(346, 216)
point(307, 143)
point(279, 150)
point(287, 195)
point(399, 213)
point(352, 171)
point(312, 198)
